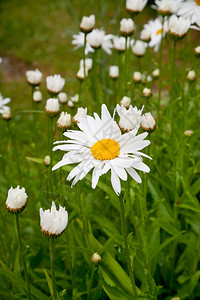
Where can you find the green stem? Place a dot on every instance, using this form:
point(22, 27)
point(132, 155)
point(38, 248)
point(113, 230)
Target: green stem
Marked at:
point(172, 95)
point(124, 232)
point(23, 256)
point(125, 64)
point(90, 284)
point(160, 70)
point(51, 251)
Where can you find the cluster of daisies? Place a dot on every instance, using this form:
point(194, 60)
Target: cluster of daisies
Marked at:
point(176, 17)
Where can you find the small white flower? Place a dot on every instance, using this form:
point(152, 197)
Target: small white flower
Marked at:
point(156, 73)
point(100, 145)
point(145, 34)
point(81, 74)
point(114, 72)
point(135, 6)
point(137, 77)
point(62, 97)
point(6, 114)
point(87, 23)
point(190, 9)
point(88, 63)
point(167, 7)
point(52, 107)
point(126, 101)
point(55, 84)
point(75, 98)
point(154, 27)
point(78, 42)
point(127, 26)
point(64, 120)
point(148, 123)
point(178, 27)
point(147, 92)
point(197, 51)
point(97, 38)
point(37, 96)
point(191, 76)
point(16, 200)
point(53, 222)
point(34, 77)
point(129, 118)
point(139, 48)
point(3, 103)
point(81, 113)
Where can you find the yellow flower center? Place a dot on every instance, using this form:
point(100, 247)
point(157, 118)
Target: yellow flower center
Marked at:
point(105, 149)
point(160, 30)
point(197, 2)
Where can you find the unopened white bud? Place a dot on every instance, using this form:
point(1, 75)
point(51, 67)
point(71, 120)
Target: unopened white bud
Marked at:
point(37, 96)
point(147, 92)
point(87, 23)
point(114, 72)
point(191, 76)
point(88, 63)
point(137, 77)
point(96, 258)
point(52, 107)
point(64, 121)
point(70, 103)
point(34, 77)
point(81, 74)
point(75, 98)
point(126, 101)
point(6, 114)
point(197, 51)
point(148, 123)
point(16, 200)
point(127, 27)
point(47, 160)
point(156, 73)
point(55, 84)
point(139, 48)
point(81, 113)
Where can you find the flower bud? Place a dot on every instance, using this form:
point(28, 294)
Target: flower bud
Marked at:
point(129, 118)
point(64, 121)
point(119, 43)
point(16, 200)
point(88, 63)
point(178, 27)
point(62, 97)
point(87, 23)
point(139, 48)
point(6, 114)
point(127, 27)
point(148, 123)
point(81, 113)
point(147, 92)
point(37, 96)
point(156, 73)
point(96, 258)
point(197, 51)
point(114, 72)
point(53, 222)
point(52, 107)
point(34, 77)
point(188, 133)
point(191, 76)
point(126, 101)
point(75, 98)
point(70, 103)
point(137, 77)
point(55, 84)
point(145, 35)
point(47, 160)
point(135, 6)
point(81, 75)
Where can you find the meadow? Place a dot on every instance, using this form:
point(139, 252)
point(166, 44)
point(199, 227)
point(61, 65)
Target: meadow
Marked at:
point(131, 224)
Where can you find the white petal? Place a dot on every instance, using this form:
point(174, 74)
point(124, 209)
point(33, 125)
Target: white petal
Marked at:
point(134, 175)
point(115, 182)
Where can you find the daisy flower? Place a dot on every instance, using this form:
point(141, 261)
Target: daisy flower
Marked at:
point(3, 103)
point(167, 7)
point(97, 38)
point(100, 145)
point(135, 6)
point(78, 42)
point(129, 118)
point(154, 27)
point(190, 9)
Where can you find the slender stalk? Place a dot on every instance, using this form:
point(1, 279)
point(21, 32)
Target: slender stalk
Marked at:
point(90, 283)
point(124, 232)
point(51, 141)
point(160, 69)
point(172, 97)
point(51, 251)
point(126, 64)
point(23, 257)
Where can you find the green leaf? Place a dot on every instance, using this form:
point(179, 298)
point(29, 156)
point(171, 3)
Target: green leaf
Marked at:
point(49, 281)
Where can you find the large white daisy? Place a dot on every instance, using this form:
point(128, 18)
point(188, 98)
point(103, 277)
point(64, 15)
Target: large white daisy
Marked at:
point(100, 145)
point(190, 9)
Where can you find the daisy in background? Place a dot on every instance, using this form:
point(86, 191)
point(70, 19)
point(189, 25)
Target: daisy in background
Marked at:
point(3, 103)
point(155, 30)
point(78, 42)
point(167, 7)
point(135, 6)
point(129, 118)
point(190, 9)
point(100, 145)
point(99, 39)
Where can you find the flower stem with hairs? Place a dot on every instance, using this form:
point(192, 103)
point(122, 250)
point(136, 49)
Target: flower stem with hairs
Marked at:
point(51, 251)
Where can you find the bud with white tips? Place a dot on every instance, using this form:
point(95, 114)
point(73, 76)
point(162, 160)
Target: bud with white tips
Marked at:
point(87, 23)
point(75, 98)
point(6, 114)
point(137, 77)
point(119, 43)
point(34, 77)
point(135, 6)
point(147, 92)
point(88, 63)
point(178, 27)
point(64, 121)
point(81, 113)
point(156, 73)
point(52, 107)
point(70, 103)
point(129, 118)
point(139, 48)
point(62, 97)
point(148, 123)
point(96, 38)
point(37, 96)
point(53, 222)
point(126, 101)
point(191, 76)
point(96, 258)
point(47, 160)
point(114, 72)
point(197, 51)
point(16, 200)
point(55, 84)
point(127, 27)
point(81, 74)
point(145, 35)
